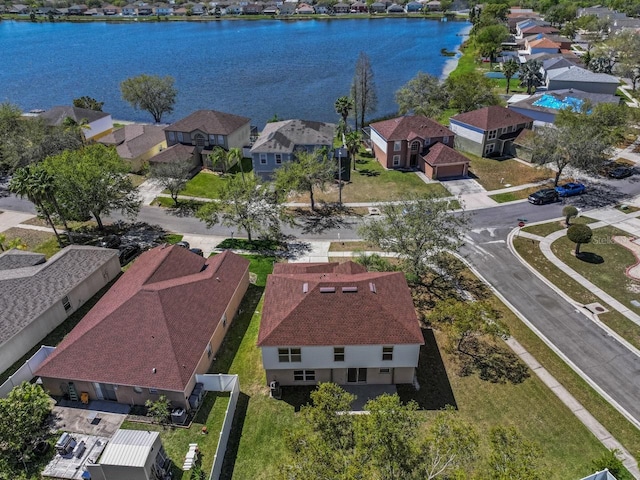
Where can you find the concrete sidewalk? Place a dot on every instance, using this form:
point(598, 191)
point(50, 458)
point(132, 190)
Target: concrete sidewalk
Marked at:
point(10, 219)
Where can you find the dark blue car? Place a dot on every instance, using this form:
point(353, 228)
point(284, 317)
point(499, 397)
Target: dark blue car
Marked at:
point(570, 189)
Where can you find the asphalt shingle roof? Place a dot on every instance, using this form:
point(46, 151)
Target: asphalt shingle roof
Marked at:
point(152, 327)
point(441, 154)
point(27, 292)
point(364, 308)
point(57, 115)
point(19, 258)
point(491, 118)
point(577, 74)
point(282, 137)
point(209, 121)
point(410, 127)
point(133, 140)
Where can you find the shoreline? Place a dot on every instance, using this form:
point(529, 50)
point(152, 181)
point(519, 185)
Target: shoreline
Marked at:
point(451, 64)
point(455, 17)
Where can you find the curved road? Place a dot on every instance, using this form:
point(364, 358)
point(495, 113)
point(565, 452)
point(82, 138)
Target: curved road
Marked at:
point(608, 364)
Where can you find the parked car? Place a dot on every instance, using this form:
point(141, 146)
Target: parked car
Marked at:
point(545, 195)
point(197, 251)
point(621, 172)
point(110, 241)
point(183, 245)
point(128, 252)
point(570, 189)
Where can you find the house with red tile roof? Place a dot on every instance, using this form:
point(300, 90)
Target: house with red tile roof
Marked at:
point(403, 143)
point(331, 322)
point(158, 326)
point(488, 131)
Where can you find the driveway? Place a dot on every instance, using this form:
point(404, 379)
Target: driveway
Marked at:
point(463, 186)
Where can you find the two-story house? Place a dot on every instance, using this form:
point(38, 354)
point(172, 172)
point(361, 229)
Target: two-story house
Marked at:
point(488, 131)
point(279, 142)
point(194, 137)
point(405, 143)
point(330, 322)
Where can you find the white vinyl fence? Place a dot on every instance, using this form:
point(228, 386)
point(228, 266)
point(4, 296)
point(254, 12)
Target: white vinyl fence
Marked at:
point(222, 383)
point(25, 372)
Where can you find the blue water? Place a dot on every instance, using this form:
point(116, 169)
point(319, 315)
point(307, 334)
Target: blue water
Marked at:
point(294, 69)
point(549, 101)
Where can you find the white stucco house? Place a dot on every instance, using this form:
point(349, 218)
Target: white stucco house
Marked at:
point(37, 295)
point(330, 322)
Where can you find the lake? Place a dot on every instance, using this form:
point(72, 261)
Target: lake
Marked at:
point(295, 69)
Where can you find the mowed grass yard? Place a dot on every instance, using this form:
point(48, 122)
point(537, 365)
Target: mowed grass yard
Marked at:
point(257, 444)
point(372, 183)
point(207, 184)
point(495, 174)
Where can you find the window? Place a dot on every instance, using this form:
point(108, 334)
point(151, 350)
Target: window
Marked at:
point(338, 354)
point(304, 375)
point(385, 371)
point(172, 136)
point(286, 355)
point(387, 353)
point(220, 139)
point(415, 146)
point(199, 140)
point(396, 160)
point(209, 351)
point(445, 140)
point(153, 391)
point(66, 303)
point(397, 146)
point(180, 137)
point(492, 134)
point(263, 159)
point(278, 158)
point(489, 149)
point(212, 139)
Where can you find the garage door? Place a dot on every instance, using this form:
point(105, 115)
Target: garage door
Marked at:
point(450, 171)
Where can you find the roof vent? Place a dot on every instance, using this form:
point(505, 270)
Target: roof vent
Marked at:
point(327, 289)
point(305, 287)
point(218, 278)
point(153, 369)
point(349, 289)
point(372, 287)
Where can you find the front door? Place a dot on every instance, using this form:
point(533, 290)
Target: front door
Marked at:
point(357, 375)
point(413, 160)
point(105, 391)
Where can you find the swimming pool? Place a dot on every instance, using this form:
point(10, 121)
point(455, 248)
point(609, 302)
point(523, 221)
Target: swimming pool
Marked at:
point(549, 101)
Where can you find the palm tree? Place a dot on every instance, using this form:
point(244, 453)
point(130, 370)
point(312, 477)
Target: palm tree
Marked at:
point(352, 142)
point(509, 69)
point(220, 157)
point(44, 185)
point(24, 184)
point(77, 127)
point(530, 75)
point(343, 107)
point(235, 156)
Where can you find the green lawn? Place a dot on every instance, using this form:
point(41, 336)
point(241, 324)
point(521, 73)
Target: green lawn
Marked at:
point(517, 195)
point(610, 418)
point(176, 440)
point(257, 443)
point(607, 269)
point(495, 174)
point(372, 183)
point(548, 228)
point(209, 185)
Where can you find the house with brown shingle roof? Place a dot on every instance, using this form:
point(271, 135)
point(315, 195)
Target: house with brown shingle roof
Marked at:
point(488, 131)
point(331, 322)
point(137, 143)
point(158, 326)
point(203, 130)
point(403, 143)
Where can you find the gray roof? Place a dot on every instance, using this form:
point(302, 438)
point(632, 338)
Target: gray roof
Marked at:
point(27, 292)
point(15, 258)
point(129, 448)
point(209, 121)
point(175, 153)
point(593, 99)
point(133, 140)
point(57, 115)
point(557, 62)
point(283, 137)
point(578, 74)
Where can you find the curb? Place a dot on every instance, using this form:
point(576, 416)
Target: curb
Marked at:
point(548, 342)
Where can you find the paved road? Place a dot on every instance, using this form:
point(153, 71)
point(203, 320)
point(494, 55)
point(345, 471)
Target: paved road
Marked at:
point(603, 359)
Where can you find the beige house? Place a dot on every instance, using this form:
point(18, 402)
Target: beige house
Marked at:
point(136, 143)
point(131, 455)
point(37, 295)
point(158, 326)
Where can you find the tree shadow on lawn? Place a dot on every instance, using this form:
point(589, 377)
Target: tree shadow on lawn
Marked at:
point(297, 397)
point(185, 208)
point(231, 454)
point(493, 363)
point(365, 172)
point(590, 257)
point(327, 216)
point(435, 391)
